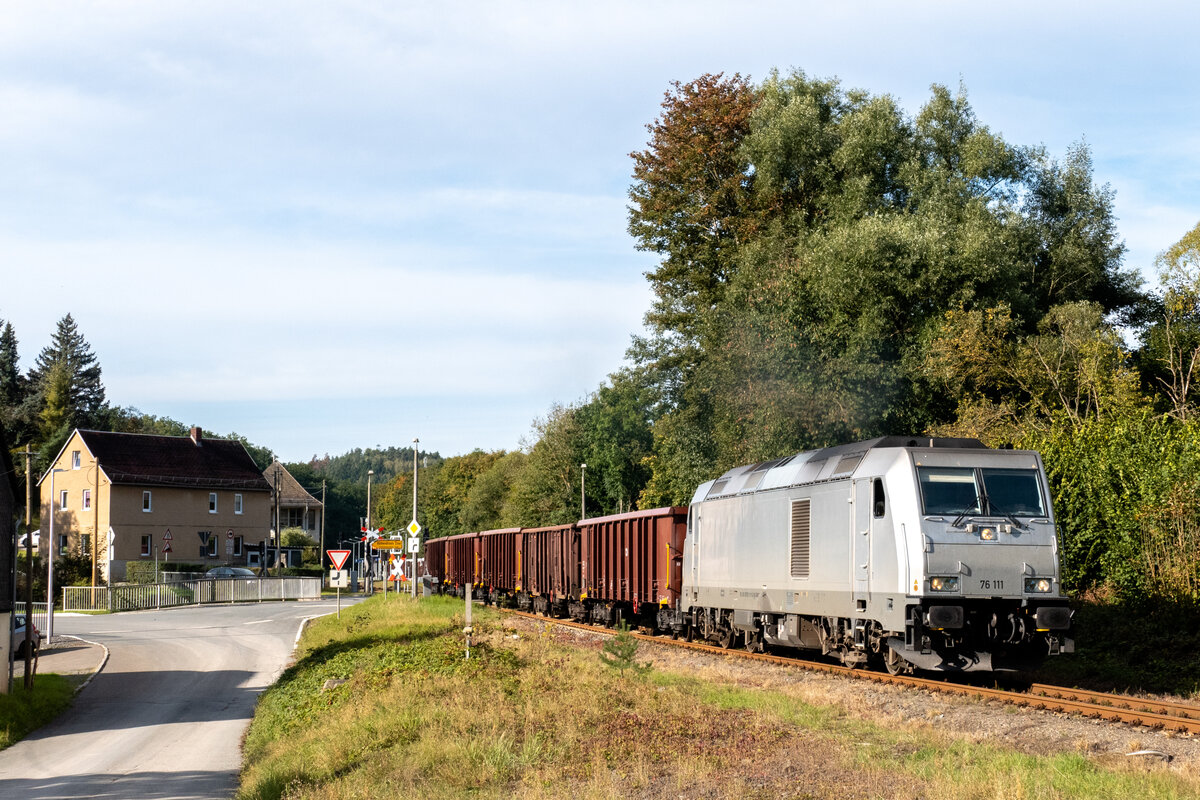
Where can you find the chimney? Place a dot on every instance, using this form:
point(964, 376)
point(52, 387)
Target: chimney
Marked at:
point(196, 434)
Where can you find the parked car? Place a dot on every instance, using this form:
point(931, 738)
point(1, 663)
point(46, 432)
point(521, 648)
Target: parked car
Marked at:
point(230, 572)
point(36, 540)
point(18, 637)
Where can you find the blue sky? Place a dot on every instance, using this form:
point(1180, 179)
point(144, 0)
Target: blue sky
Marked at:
point(339, 225)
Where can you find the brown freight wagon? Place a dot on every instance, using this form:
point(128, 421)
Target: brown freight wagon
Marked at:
point(548, 568)
point(498, 563)
point(462, 561)
point(435, 561)
point(632, 565)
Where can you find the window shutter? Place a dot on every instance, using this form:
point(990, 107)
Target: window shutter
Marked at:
point(801, 525)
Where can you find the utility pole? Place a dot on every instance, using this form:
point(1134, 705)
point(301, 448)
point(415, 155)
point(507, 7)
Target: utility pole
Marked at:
point(582, 493)
point(95, 528)
point(28, 572)
point(414, 555)
point(278, 531)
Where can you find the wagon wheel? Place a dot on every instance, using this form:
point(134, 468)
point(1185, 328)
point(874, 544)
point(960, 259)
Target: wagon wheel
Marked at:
point(753, 643)
point(893, 662)
point(725, 639)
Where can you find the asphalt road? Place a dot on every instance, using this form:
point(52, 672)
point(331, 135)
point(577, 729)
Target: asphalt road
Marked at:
point(166, 715)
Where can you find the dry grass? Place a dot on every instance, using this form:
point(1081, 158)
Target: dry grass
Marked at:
point(530, 717)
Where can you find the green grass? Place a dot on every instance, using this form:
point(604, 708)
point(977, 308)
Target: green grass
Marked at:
point(528, 717)
point(23, 712)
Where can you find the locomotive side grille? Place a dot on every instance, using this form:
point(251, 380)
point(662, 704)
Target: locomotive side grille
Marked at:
point(801, 525)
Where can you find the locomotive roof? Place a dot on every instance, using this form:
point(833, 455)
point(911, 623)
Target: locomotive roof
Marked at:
point(813, 465)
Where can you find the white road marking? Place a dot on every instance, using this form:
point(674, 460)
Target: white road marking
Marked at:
point(258, 622)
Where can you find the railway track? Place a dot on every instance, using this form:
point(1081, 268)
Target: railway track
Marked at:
point(1157, 714)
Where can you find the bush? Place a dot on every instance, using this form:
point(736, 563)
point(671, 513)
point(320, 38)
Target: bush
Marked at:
point(143, 571)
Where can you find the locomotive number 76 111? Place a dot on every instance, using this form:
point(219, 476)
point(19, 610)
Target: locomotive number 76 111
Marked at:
point(991, 585)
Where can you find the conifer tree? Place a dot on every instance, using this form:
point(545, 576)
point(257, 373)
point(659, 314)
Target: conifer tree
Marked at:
point(620, 652)
point(10, 371)
point(84, 390)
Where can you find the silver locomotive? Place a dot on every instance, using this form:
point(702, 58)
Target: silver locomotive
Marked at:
point(935, 554)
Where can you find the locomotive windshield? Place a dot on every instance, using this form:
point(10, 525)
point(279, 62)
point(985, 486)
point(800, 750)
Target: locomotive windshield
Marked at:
point(984, 492)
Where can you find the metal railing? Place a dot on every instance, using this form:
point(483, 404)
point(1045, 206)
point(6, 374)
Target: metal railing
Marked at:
point(136, 597)
point(39, 614)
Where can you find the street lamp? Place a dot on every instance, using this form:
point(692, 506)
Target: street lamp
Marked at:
point(582, 492)
point(414, 519)
point(49, 568)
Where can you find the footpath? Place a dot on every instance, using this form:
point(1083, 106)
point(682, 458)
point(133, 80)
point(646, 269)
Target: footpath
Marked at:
point(66, 655)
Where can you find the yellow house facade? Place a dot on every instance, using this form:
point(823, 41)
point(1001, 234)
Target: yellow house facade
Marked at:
point(118, 498)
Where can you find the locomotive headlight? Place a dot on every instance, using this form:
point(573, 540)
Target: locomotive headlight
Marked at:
point(1037, 585)
point(947, 584)
point(988, 534)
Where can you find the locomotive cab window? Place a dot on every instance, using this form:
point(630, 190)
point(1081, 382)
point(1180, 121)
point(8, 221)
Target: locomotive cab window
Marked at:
point(878, 502)
point(984, 492)
point(949, 490)
point(1013, 491)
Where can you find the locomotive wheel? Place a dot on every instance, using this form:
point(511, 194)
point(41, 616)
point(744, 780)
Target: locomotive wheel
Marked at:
point(893, 662)
point(725, 639)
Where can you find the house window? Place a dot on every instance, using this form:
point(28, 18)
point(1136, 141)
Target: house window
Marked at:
point(293, 518)
point(145, 501)
point(62, 500)
point(85, 544)
point(237, 544)
point(146, 544)
point(63, 544)
point(211, 548)
point(74, 459)
point(212, 502)
point(237, 504)
point(87, 499)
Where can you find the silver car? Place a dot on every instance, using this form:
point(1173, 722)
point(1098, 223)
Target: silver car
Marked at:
point(18, 637)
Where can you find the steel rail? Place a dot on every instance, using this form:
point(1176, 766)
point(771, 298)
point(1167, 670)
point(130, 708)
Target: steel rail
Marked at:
point(1165, 715)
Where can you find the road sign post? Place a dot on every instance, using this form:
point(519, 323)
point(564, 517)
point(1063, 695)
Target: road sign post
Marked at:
point(338, 557)
point(414, 545)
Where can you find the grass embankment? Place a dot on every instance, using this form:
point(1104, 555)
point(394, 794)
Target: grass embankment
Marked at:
point(531, 718)
point(22, 712)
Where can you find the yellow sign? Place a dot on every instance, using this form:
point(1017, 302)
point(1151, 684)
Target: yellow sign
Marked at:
point(414, 528)
point(387, 544)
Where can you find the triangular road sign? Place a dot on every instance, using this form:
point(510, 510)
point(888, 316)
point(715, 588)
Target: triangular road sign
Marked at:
point(338, 557)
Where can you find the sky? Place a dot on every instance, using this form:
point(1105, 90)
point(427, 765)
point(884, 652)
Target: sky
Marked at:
point(335, 225)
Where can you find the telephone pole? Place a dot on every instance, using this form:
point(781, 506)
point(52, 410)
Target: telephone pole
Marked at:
point(414, 555)
point(28, 572)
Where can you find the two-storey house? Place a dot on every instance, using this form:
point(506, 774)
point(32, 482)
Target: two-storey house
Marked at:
point(122, 497)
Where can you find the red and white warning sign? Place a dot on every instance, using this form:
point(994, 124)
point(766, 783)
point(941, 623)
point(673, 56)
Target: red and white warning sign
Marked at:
point(338, 557)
